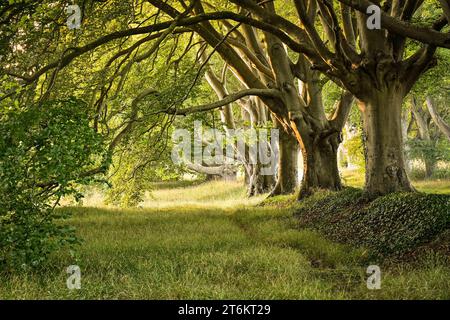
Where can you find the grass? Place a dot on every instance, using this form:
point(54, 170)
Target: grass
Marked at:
point(206, 242)
point(193, 194)
point(354, 178)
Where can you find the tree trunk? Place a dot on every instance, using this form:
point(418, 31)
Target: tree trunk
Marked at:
point(385, 165)
point(405, 128)
point(287, 179)
point(320, 165)
point(429, 167)
point(259, 184)
point(424, 135)
point(443, 127)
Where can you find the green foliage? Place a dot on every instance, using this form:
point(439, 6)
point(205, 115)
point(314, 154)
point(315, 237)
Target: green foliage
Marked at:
point(442, 175)
point(206, 251)
point(44, 150)
point(435, 82)
point(131, 180)
point(431, 151)
point(400, 222)
point(283, 201)
point(389, 225)
point(146, 158)
point(355, 149)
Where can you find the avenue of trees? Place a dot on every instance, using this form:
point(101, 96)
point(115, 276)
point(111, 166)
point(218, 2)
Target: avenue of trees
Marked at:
point(99, 103)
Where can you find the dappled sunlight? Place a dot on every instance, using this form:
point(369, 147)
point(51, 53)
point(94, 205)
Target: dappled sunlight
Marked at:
point(219, 194)
point(355, 178)
point(213, 194)
point(224, 149)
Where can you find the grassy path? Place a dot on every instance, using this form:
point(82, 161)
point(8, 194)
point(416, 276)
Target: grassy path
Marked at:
point(193, 252)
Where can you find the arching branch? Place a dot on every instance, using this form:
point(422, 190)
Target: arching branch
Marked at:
point(403, 28)
point(444, 127)
point(266, 93)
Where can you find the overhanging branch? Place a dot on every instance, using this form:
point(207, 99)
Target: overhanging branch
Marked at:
point(266, 93)
point(185, 22)
point(402, 28)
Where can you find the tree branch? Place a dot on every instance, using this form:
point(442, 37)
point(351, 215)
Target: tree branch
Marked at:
point(446, 8)
point(266, 93)
point(402, 28)
point(444, 127)
point(342, 111)
point(185, 22)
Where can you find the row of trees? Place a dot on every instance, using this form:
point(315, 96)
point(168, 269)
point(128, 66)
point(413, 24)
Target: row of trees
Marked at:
point(137, 68)
point(280, 56)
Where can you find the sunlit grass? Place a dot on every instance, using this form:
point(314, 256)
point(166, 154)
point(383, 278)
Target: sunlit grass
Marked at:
point(213, 194)
point(210, 194)
point(232, 194)
point(354, 178)
point(216, 254)
point(205, 241)
point(433, 186)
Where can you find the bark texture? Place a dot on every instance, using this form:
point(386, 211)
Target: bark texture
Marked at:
point(320, 165)
point(443, 127)
point(385, 163)
point(287, 179)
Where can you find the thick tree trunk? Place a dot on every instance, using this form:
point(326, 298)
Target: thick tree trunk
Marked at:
point(287, 180)
point(320, 165)
point(259, 184)
point(385, 165)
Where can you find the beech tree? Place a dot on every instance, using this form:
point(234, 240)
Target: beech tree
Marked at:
point(269, 50)
point(422, 120)
point(371, 64)
point(441, 124)
point(255, 63)
point(272, 75)
point(376, 70)
point(426, 116)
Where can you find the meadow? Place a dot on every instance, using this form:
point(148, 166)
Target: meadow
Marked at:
point(101, 99)
point(208, 241)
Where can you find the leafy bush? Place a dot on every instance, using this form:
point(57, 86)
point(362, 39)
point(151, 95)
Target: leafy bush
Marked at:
point(433, 151)
point(389, 225)
point(44, 151)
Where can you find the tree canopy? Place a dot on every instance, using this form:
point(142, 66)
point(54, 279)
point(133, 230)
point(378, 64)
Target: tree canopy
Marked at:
point(101, 102)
